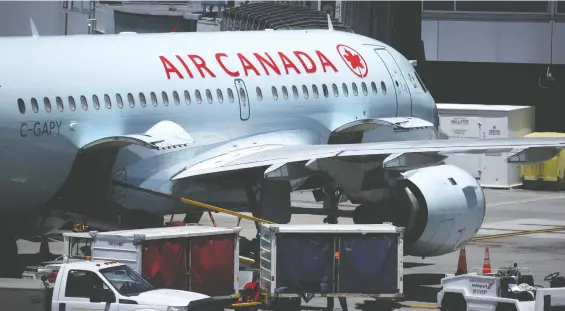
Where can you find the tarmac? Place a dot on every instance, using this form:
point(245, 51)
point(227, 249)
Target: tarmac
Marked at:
point(521, 226)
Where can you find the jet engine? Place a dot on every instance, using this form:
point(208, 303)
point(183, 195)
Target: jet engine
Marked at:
point(441, 207)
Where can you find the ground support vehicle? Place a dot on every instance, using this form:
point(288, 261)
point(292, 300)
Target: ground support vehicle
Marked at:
point(505, 290)
point(108, 286)
point(300, 262)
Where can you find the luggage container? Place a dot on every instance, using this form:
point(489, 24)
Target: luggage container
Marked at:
point(549, 174)
point(193, 258)
point(304, 261)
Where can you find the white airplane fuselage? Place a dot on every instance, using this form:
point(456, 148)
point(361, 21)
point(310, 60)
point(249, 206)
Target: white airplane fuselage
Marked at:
point(39, 145)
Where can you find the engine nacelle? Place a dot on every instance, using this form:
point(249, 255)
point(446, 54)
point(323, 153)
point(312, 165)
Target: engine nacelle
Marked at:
point(442, 207)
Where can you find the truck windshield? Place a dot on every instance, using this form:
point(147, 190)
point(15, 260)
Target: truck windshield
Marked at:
point(126, 280)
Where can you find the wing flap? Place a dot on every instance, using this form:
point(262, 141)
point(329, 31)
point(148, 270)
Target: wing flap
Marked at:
point(429, 152)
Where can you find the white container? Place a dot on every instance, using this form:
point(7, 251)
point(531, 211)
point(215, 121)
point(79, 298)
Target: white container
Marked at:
point(460, 121)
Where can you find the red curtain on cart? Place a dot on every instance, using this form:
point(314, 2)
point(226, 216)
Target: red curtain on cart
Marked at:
point(163, 264)
point(212, 265)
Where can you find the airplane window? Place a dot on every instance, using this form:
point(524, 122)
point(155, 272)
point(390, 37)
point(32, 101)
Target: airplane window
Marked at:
point(295, 92)
point(95, 102)
point(354, 88)
point(59, 103)
point(47, 104)
point(187, 97)
point(83, 102)
point(131, 100)
point(72, 104)
point(209, 96)
point(141, 100)
point(120, 102)
point(259, 94)
point(107, 101)
point(285, 92)
point(198, 97)
point(275, 93)
point(383, 88)
point(305, 91)
point(336, 92)
point(345, 91)
point(21, 106)
point(153, 99)
point(242, 96)
point(34, 105)
point(325, 90)
point(230, 95)
point(315, 90)
point(176, 98)
point(220, 96)
point(165, 98)
point(364, 88)
point(374, 88)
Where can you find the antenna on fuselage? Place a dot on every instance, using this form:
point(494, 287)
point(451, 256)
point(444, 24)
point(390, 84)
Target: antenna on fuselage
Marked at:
point(330, 25)
point(34, 32)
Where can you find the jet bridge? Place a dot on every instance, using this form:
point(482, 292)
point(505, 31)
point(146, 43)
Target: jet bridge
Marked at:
point(261, 16)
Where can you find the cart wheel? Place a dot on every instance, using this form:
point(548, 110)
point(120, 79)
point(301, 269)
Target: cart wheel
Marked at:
point(453, 302)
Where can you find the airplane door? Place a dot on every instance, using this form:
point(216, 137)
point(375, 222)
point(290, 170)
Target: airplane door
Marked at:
point(403, 97)
point(244, 108)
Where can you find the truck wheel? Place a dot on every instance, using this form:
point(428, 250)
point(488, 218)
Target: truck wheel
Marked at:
point(453, 302)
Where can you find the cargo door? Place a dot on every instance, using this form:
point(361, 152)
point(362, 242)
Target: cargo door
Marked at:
point(399, 88)
point(212, 263)
point(462, 127)
point(243, 98)
point(368, 264)
point(305, 263)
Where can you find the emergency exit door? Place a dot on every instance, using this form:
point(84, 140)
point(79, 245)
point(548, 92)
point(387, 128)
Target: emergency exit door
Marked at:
point(399, 85)
point(243, 97)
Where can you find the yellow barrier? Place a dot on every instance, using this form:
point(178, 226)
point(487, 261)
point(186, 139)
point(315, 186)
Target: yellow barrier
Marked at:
point(551, 171)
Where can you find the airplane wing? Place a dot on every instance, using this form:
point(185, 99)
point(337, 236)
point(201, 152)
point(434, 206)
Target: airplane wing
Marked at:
point(402, 155)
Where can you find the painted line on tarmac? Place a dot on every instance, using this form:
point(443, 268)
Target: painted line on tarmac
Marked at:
point(415, 306)
point(510, 234)
point(525, 201)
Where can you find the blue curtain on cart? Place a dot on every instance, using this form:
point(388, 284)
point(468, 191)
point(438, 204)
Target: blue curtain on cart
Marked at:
point(305, 263)
point(368, 264)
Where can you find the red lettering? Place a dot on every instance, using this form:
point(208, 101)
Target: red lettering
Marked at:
point(201, 64)
point(229, 72)
point(271, 63)
point(185, 66)
point(325, 61)
point(170, 68)
point(287, 63)
point(247, 65)
point(299, 55)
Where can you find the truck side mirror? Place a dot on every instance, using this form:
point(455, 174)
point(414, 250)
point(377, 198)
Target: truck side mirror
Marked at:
point(101, 295)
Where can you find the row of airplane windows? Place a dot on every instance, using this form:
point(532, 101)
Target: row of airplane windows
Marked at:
point(188, 99)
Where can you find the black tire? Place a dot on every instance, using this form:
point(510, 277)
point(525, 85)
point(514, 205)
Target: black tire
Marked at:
point(453, 302)
point(505, 307)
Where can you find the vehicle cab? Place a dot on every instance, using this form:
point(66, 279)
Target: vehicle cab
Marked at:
point(112, 286)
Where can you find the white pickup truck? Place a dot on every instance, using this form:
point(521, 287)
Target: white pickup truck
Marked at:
point(108, 286)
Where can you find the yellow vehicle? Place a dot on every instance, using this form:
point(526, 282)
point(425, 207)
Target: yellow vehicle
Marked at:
point(547, 175)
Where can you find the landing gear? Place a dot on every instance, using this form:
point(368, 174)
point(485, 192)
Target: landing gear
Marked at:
point(9, 260)
point(331, 201)
point(44, 252)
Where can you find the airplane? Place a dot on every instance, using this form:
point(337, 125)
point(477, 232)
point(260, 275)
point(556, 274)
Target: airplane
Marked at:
point(235, 119)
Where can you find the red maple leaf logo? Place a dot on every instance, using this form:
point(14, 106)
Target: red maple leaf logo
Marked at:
point(354, 60)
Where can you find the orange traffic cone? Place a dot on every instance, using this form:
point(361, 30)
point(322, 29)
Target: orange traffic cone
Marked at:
point(462, 263)
point(486, 264)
